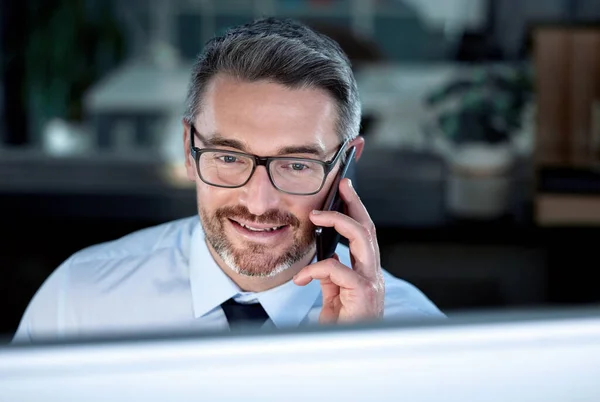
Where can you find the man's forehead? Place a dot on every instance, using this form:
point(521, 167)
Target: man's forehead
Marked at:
point(264, 116)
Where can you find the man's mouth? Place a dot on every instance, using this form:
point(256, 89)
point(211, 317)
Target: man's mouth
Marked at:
point(258, 228)
point(270, 229)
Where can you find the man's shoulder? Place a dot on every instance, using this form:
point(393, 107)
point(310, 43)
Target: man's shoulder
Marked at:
point(140, 255)
point(140, 244)
point(121, 267)
point(402, 299)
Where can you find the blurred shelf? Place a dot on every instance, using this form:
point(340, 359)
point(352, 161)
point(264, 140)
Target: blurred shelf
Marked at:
point(568, 210)
point(102, 186)
point(567, 195)
point(31, 171)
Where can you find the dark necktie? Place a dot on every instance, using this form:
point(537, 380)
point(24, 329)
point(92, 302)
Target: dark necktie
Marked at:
point(241, 315)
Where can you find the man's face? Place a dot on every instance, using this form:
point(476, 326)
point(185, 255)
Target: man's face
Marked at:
point(265, 119)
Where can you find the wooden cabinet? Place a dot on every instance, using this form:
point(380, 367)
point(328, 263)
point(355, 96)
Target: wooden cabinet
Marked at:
point(567, 157)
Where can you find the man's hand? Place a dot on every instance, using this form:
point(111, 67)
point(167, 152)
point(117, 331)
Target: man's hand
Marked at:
point(356, 294)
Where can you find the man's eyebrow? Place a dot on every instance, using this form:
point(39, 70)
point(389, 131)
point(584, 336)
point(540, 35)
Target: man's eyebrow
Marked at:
point(218, 140)
point(312, 149)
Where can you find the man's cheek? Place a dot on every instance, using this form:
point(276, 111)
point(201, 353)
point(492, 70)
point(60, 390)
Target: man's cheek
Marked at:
point(316, 204)
point(305, 217)
point(211, 197)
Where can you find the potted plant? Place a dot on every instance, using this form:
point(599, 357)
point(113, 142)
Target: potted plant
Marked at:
point(480, 116)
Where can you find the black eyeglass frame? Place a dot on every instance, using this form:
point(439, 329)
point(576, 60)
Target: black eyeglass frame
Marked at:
point(262, 161)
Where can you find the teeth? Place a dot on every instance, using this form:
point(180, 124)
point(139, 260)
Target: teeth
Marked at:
point(260, 230)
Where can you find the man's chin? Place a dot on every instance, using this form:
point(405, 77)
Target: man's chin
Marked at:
point(255, 266)
point(260, 261)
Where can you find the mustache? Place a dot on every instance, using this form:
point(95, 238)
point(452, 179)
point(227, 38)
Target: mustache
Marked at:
point(274, 216)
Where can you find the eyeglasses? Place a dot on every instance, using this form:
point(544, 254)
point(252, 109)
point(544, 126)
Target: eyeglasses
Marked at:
point(232, 169)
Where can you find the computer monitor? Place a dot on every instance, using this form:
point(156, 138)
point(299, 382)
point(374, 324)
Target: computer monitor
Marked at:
point(545, 357)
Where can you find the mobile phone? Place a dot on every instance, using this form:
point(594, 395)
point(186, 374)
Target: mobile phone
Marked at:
point(328, 238)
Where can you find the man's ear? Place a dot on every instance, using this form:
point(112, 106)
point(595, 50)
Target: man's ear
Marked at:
point(190, 164)
point(359, 143)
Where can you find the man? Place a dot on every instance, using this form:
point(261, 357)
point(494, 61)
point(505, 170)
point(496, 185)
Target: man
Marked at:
point(272, 109)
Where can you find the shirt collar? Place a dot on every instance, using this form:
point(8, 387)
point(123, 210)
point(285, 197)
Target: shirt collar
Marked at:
point(287, 305)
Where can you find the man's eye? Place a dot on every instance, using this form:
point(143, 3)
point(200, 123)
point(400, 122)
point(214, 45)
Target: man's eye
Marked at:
point(298, 166)
point(227, 158)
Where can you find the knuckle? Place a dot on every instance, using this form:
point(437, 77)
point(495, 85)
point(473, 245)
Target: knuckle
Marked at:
point(365, 284)
point(369, 232)
point(373, 292)
point(371, 287)
point(371, 229)
point(365, 232)
point(331, 264)
point(338, 214)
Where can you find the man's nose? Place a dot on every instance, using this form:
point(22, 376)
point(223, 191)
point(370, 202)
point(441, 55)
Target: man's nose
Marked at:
point(259, 194)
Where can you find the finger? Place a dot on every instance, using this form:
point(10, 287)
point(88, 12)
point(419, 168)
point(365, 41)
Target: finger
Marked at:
point(330, 292)
point(332, 270)
point(331, 302)
point(329, 313)
point(356, 208)
point(359, 238)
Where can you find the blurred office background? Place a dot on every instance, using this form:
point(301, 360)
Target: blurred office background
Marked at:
point(481, 119)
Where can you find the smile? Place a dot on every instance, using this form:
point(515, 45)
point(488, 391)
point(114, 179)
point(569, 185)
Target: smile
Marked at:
point(260, 229)
point(255, 231)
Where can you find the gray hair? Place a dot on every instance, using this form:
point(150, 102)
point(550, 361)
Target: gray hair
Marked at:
point(282, 51)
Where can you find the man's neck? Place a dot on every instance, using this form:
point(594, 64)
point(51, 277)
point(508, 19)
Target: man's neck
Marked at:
point(258, 283)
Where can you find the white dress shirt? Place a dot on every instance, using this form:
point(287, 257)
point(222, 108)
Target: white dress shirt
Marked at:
point(164, 279)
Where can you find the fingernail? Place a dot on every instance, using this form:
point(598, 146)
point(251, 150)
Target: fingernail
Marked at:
point(295, 277)
point(316, 212)
point(350, 184)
